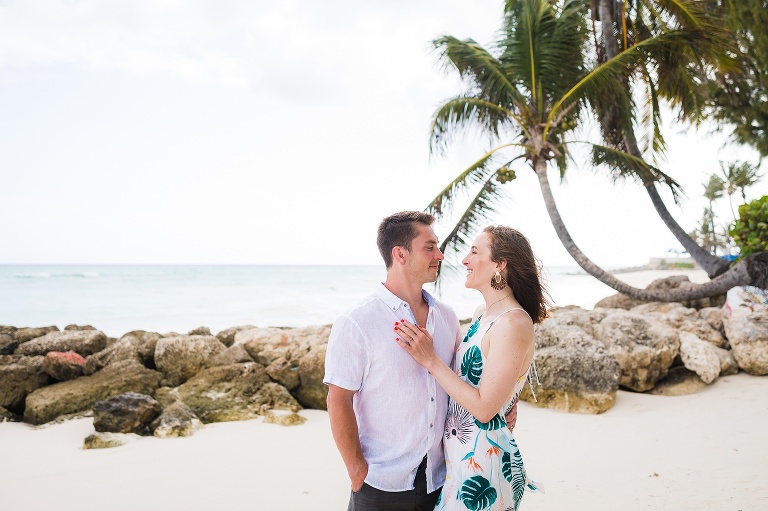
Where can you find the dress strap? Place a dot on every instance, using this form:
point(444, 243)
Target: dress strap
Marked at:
point(508, 310)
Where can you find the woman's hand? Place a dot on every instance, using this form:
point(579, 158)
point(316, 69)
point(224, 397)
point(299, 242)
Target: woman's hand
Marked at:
point(416, 341)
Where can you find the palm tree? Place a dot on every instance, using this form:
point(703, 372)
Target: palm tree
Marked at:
point(738, 176)
point(529, 95)
point(675, 76)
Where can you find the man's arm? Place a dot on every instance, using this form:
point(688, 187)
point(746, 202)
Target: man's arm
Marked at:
point(345, 434)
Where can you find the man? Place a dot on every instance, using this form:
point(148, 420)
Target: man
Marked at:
point(387, 412)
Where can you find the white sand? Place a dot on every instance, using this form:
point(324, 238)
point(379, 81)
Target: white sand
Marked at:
point(707, 451)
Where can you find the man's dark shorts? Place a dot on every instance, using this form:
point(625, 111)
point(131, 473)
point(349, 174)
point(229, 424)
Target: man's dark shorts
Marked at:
point(369, 498)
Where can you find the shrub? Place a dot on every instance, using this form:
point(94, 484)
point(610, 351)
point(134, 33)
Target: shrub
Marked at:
point(751, 230)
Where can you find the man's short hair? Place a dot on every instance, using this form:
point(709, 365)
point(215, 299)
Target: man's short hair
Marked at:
point(399, 230)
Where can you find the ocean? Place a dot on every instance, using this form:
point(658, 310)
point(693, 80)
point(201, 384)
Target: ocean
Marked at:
point(169, 298)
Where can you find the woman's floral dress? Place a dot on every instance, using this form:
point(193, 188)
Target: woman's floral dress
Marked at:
point(484, 468)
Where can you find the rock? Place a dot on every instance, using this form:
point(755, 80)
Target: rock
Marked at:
point(714, 318)
point(108, 440)
point(290, 419)
point(8, 344)
point(728, 365)
point(176, 420)
point(700, 357)
point(125, 413)
point(227, 337)
point(576, 371)
point(618, 301)
point(83, 343)
point(7, 330)
point(63, 366)
point(683, 319)
point(679, 381)
point(181, 357)
point(622, 301)
point(146, 343)
point(233, 355)
point(269, 355)
point(745, 318)
point(8, 416)
point(644, 348)
point(312, 392)
point(575, 316)
point(18, 378)
point(201, 330)
point(45, 404)
point(234, 392)
point(79, 327)
point(125, 348)
point(27, 334)
point(284, 373)
point(258, 339)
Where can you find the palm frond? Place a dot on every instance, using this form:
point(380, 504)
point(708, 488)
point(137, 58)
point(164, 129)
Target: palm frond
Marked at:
point(479, 68)
point(624, 165)
point(479, 172)
point(470, 222)
point(465, 112)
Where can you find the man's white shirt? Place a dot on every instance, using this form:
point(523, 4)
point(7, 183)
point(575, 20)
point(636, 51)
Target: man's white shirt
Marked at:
point(400, 408)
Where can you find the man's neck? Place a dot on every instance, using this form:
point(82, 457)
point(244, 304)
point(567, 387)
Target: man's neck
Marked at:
point(408, 291)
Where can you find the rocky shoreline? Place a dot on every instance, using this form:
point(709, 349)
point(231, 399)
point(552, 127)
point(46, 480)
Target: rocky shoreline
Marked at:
point(167, 385)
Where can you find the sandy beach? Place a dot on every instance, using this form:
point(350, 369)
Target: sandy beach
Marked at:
point(706, 451)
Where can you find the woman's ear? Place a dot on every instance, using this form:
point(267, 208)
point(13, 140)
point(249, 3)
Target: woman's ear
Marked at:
point(501, 265)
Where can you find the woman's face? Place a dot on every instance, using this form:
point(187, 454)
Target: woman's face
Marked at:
point(480, 267)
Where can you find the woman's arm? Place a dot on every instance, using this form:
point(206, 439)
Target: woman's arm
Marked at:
point(509, 351)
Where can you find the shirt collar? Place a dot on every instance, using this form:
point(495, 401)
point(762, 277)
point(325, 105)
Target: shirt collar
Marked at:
point(394, 302)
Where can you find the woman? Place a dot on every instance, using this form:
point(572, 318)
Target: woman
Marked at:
point(492, 363)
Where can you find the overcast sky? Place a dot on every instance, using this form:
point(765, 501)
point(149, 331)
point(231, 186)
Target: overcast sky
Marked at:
point(253, 132)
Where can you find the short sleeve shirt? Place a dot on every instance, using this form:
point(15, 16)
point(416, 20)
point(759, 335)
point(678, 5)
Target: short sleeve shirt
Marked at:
point(400, 408)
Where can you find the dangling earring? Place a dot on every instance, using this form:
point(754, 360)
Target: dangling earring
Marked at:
point(498, 282)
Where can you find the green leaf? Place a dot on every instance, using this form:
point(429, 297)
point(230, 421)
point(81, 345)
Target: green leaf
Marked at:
point(477, 493)
point(497, 422)
point(472, 365)
point(472, 329)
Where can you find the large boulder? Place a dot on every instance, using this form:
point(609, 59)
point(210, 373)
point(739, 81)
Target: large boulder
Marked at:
point(683, 319)
point(258, 339)
point(679, 381)
point(27, 334)
point(236, 354)
point(82, 342)
point(714, 317)
point(745, 319)
point(176, 420)
point(577, 373)
point(233, 392)
point(74, 396)
point(7, 330)
point(63, 366)
point(645, 349)
point(18, 377)
point(128, 347)
point(284, 373)
point(181, 357)
point(699, 356)
point(312, 392)
point(227, 337)
point(125, 413)
point(8, 344)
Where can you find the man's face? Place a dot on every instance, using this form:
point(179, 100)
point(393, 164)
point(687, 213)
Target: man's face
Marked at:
point(424, 258)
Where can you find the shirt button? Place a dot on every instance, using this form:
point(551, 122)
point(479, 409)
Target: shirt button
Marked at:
point(431, 399)
point(430, 425)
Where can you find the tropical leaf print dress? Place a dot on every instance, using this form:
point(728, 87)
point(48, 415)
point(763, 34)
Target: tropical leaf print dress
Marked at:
point(484, 468)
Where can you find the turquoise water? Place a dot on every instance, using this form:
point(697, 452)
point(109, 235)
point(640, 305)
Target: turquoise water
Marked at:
point(117, 299)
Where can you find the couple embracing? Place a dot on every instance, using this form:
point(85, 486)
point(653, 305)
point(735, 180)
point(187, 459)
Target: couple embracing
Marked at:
point(421, 415)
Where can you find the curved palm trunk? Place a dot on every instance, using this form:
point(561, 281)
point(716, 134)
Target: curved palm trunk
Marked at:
point(713, 265)
point(739, 276)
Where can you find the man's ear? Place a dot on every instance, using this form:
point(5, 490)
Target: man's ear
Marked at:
point(399, 255)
